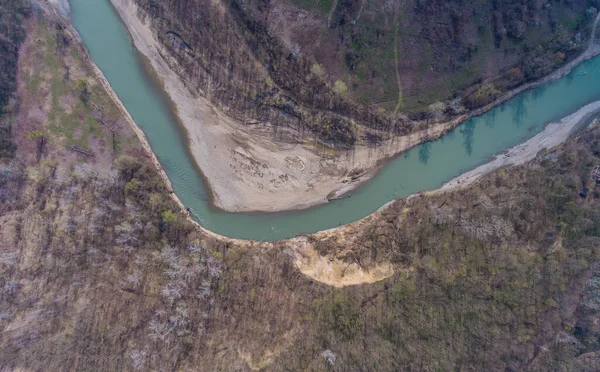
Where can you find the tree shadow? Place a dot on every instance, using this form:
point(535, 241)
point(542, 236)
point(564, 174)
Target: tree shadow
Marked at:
point(538, 92)
point(519, 110)
point(489, 118)
point(569, 78)
point(467, 132)
point(424, 152)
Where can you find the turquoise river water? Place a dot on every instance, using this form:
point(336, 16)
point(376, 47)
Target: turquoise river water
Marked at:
point(425, 167)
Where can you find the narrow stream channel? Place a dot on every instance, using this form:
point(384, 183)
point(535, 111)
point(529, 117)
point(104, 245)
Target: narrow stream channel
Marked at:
point(425, 167)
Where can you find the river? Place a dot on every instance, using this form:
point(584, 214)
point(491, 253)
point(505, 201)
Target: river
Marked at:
point(425, 167)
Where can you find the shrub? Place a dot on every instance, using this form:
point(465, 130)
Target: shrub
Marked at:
point(340, 88)
point(35, 134)
point(168, 216)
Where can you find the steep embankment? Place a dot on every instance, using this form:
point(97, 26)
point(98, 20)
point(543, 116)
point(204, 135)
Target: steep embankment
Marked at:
point(100, 271)
point(255, 169)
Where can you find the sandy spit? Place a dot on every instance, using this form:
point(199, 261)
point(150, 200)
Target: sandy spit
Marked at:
point(247, 170)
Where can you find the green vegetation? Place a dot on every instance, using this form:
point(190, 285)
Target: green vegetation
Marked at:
point(12, 15)
point(84, 91)
point(484, 277)
point(74, 100)
point(323, 6)
point(168, 216)
point(65, 123)
point(33, 82)
point(132, 186)
point(340, 88)
point(35, 134)
point(486, 269)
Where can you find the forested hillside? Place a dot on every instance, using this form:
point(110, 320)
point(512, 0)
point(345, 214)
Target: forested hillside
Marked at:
point(101, 270)
point(354, 71)
point(12, 15)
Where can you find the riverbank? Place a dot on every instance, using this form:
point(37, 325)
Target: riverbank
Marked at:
point(247, 169)
point(59, 17)
point(327, 269)
point(553, 135)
